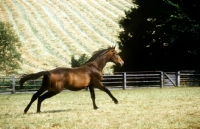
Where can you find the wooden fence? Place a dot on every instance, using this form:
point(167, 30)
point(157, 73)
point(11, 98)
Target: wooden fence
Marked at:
point(120, 80)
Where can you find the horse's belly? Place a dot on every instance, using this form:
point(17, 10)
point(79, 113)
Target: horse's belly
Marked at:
point(77, 83)
point(74, 88)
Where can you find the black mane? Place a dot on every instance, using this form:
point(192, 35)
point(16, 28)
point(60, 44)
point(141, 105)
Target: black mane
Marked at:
point(98, 53)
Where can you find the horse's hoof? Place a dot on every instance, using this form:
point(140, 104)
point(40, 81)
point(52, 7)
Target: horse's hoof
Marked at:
point(96, 108)
point(25, 111)
point(116, 102)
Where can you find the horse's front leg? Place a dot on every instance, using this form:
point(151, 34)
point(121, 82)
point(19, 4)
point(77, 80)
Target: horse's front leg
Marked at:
point(109, 93)
point(100, 86)
point(93, 97)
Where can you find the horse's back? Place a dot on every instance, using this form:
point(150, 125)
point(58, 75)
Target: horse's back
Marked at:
point(70, 78)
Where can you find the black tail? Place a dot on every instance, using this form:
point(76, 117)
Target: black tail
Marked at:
point(33, 76)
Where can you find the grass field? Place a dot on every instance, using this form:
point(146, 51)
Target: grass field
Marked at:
point(138, 108)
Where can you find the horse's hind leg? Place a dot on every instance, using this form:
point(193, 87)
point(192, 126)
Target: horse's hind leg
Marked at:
point(43, 97)
point(34, 97)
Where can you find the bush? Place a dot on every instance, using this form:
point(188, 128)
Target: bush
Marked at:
point(78, 62)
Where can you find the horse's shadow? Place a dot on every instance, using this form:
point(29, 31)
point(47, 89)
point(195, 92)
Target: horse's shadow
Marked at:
point(50, 111)
point(56, 111)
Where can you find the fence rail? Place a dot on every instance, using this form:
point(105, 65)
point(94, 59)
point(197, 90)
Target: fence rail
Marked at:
point(122, 80)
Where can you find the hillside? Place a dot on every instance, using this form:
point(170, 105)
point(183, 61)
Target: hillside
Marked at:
point(51, 31)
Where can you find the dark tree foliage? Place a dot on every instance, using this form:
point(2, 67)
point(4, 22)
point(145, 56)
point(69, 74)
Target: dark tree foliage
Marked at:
point(78, 62)
point(161, 35)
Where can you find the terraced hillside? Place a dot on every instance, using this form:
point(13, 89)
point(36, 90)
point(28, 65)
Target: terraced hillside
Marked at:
point(51, 31)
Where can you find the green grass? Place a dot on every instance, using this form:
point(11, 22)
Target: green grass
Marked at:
point(138, 108)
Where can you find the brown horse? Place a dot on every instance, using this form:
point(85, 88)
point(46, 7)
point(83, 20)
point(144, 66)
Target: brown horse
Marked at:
point(87, 75)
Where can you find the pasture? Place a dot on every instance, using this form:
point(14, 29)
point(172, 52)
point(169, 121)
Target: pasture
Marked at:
point(137, 108)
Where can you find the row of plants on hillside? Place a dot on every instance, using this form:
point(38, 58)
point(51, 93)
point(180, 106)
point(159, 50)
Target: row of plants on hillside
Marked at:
point(98, 22)
point(44, 41)
point(58, 42)
point(17, 30)
point(32, 62)
point(58, 22)
point(38, 32)
point(84, 26)
point(47, 38)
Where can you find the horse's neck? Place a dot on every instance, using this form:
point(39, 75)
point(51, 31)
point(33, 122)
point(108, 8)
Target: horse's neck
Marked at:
point(100, 63)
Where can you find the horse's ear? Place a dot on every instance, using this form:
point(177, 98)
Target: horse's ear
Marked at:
point(114, 47)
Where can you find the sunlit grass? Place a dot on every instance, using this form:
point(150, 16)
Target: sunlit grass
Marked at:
point(137, 108)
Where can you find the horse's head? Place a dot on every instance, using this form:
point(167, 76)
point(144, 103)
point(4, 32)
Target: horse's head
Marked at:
point(103, 56)
point(115, 58)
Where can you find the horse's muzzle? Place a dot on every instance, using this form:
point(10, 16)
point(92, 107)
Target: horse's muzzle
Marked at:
point(121, 63)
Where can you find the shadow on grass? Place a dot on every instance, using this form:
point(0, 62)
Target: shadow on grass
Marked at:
point(56, 111)
point(50, 111)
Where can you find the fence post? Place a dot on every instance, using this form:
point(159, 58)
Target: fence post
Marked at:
point(13, 84)
point(161, 79)
point(124, 80)
point(178, 78)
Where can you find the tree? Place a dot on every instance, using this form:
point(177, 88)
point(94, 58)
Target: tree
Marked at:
point(9, 45)
point(160, 35)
